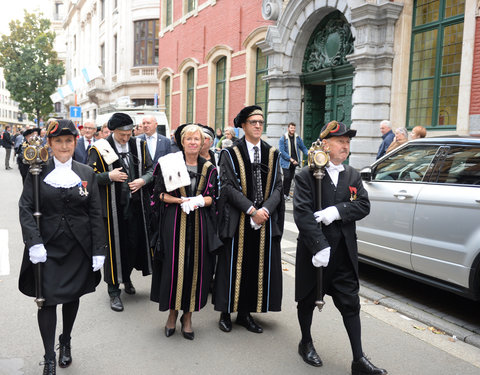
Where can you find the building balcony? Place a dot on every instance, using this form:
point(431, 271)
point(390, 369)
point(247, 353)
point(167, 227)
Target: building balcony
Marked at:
point(144, 72)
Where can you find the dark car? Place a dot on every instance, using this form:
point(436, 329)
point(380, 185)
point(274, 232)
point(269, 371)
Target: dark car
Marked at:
point(425, 213)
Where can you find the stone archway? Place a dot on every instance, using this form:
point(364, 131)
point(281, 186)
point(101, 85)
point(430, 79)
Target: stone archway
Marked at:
point(372, 25)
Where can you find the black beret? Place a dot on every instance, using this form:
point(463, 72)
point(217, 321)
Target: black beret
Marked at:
point(336, 129)
point(120, 121)
point(246, 113)
point(56, 128)
point(30, 131)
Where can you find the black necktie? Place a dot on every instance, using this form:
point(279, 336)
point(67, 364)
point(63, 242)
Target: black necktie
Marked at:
point(257, 174)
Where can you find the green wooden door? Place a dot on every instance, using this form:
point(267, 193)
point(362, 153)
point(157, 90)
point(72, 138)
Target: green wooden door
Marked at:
point(314, 113)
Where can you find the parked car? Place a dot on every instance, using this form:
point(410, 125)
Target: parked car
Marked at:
point(424, 221)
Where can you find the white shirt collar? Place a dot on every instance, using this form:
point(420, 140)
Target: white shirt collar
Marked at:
point(153, 136)
point(334, 171)
point(250, 150)
point(120, 147)
point(62, 176)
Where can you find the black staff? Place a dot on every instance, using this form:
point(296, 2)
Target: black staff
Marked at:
point(36, 155)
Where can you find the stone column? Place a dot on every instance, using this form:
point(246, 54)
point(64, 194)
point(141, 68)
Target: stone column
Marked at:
point(374, 26)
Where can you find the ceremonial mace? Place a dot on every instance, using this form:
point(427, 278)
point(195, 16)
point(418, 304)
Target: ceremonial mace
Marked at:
point(318, 160)
point(36, 156)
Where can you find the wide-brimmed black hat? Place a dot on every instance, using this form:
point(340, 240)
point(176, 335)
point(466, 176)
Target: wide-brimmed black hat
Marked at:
point(120, 121)
point(245, 113)
point(336, 129)
point(30, 131)
point(56, 128)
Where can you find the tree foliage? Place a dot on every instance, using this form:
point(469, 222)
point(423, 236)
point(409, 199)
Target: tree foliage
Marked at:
point(31, 67)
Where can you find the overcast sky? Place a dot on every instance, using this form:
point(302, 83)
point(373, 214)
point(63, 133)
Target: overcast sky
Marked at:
point(13, 10)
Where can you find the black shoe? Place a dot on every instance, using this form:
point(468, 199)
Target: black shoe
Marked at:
point(169, 331)
point(225, 323)
point(187, 335)
point(309, 354)
point(65, 355)
point(49, 366)
point(248, 322)
point(364, 367)
point(116, 303)
point(129, 288)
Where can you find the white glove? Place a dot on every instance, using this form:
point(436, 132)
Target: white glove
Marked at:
point(97, 262)
point(198, 201)
point(37, 253)
point(327, 216)
point(187, 205)
point(321, 258)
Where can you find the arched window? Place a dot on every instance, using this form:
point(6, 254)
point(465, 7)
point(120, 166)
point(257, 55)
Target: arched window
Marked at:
point(220, 82)
point(190, 95)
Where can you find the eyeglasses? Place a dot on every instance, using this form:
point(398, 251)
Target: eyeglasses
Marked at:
point(256, 122)
point(89, 128)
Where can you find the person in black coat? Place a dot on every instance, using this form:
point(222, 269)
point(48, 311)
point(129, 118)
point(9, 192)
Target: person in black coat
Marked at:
point(327, 239)
point(70, 243)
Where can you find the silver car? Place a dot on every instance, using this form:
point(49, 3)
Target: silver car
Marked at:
point(424, 221)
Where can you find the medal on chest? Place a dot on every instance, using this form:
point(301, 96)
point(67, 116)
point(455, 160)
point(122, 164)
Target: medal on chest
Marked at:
point(82, 188)
point(353, 193)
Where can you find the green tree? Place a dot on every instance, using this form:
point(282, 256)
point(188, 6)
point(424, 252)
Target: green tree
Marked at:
point(31, 67)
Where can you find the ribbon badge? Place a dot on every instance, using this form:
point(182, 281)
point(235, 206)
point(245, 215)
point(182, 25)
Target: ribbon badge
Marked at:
point(353, 193)
point(82, 188)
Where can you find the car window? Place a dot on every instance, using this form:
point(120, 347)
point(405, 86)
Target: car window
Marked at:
point(408, 164)
point(461, 166)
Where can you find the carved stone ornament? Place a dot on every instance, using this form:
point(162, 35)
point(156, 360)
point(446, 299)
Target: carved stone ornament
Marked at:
point(329, 45)
point(271, 9)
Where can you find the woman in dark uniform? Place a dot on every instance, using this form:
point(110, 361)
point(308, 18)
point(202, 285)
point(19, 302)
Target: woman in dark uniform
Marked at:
point(70, 243)
point(183, 260)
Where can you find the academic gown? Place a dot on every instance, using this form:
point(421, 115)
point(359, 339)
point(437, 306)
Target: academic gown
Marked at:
point(72, 231)
point(183, 259)
point(133, 251)
point(249, 272)
point(351, 200)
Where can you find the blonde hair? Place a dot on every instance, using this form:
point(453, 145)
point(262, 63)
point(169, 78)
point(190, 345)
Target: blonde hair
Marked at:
point(190, 129)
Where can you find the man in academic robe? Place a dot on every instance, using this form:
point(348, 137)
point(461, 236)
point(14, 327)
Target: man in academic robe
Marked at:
point(124, 170)
point(327, 239)
point(251, 214)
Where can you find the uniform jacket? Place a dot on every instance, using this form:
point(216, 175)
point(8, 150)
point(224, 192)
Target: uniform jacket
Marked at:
point(285, 151)
point(351, 200)
point(82, 215)
point(163, 146)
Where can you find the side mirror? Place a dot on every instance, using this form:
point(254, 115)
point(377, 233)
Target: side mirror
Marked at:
point(366, 174)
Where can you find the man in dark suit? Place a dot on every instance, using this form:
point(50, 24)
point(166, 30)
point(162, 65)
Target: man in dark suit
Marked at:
point(157, 144)
point(327, 239)
point(85, 142)
point(251, 208)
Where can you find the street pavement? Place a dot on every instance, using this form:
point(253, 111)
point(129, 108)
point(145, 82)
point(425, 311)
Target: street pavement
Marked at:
point(133, 342)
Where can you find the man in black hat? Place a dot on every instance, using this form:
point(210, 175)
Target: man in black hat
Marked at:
point(251, 209)
point(124, 168)
point(327, 239)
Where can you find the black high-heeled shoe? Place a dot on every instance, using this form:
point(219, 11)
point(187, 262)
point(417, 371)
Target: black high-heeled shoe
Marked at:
point(170, 331)
point(187, 335)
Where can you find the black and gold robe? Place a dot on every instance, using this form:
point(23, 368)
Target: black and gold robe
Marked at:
point(183, 260)
point(249, 272)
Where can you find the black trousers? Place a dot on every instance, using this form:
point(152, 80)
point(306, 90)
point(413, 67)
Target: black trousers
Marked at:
point(288, 175)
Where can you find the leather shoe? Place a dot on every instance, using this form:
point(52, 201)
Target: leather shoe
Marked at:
point(129, 288)
point(65, 354)
point(49, 366)
point(248, 322)
point(225, 323)
point(116, 303)
point(309, 354)
point(169, 331)
point(187, 335)
point(364, 367)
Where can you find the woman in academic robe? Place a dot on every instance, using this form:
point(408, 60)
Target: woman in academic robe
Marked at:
point(184, 198)
point(70, 244)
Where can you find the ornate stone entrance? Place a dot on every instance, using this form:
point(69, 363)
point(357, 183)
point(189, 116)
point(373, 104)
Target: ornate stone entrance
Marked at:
point(327, 76)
